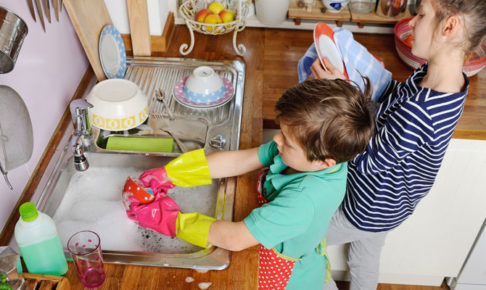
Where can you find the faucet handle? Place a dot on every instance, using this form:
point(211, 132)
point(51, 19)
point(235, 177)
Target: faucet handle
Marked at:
point(77, 106)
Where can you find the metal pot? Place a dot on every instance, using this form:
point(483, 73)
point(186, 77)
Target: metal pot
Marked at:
point(392, 8)
point(12, 33)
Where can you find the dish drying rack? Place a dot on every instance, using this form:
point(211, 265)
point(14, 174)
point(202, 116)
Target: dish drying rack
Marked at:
point(189, 9)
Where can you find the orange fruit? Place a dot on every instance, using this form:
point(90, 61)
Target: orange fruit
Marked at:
point(202, 14)
point(409, 40)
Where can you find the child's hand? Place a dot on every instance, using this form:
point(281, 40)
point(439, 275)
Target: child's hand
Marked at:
point(332, 73)
point(189, 169)
point(157, 179)
point(164, 216)
point(159, 215)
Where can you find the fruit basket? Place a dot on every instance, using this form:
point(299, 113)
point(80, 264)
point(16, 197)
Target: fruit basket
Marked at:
point(472, 65)
point(190, 8)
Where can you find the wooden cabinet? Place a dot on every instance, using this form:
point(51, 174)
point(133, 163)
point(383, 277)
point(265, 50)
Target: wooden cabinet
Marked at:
point(434, 242)
point(298, 11)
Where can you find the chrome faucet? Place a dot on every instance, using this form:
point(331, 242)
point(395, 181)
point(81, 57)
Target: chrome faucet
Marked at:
point(81, 135)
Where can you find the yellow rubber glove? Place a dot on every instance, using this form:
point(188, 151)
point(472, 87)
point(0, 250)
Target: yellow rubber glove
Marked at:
point(189, 169)
point(194, 228)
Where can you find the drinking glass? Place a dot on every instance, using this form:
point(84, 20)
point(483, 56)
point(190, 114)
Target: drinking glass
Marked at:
point(361, 6)
point(85, 249)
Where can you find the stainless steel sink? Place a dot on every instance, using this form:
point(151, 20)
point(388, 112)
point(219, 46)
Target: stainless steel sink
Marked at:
point(91, 200)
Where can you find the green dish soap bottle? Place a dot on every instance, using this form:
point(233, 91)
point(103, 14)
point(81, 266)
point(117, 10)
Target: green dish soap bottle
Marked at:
point(39, 243)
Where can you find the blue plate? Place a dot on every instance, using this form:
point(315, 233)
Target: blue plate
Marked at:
point(112, 53)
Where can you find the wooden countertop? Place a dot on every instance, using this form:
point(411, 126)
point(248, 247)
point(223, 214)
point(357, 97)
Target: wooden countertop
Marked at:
point(271, 62)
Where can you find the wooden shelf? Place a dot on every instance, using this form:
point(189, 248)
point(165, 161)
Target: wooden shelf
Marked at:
point(315, 13)
point(377, 17)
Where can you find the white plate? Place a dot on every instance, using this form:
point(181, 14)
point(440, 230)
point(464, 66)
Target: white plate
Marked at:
point(325, 46)
point(112, 53)
point(181, 98)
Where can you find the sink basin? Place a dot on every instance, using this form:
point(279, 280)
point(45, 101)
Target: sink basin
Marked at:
point(91, 199)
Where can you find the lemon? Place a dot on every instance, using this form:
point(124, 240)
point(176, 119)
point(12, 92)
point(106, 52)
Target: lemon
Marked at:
point(216, 7)
point(212, 19)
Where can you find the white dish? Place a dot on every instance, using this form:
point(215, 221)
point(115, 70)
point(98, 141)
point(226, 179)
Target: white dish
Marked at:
point(118, 105)
point(204, 86)
point(181, 98)
point(326, 48)
point(112, 53)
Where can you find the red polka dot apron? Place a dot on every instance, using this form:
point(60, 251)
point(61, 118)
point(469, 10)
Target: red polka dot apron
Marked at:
point(274, 268)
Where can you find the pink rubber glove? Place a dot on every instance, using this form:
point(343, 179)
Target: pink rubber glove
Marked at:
point(157, 179)
point(187, 170)
point(159, 215)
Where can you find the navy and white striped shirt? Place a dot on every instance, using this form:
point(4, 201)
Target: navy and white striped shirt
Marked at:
point(413, 128)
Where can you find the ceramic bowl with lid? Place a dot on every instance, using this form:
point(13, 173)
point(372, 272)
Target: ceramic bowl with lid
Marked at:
point(204, 86)
point(118, 105)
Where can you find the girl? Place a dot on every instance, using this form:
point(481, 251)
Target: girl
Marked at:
point(413, 126)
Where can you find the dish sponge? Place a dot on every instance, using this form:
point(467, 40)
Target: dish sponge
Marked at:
point(144, 144)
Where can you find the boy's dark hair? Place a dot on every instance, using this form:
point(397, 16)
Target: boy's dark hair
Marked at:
point(328, 118)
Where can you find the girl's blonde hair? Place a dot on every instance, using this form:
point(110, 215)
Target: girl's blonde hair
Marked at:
point(474, 13)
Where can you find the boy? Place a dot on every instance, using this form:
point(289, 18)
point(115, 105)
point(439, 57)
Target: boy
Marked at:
point(323, 125)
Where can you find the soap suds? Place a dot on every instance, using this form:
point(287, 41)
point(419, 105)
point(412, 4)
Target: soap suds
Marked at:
point(189, 279)
point(92, 201)
point(204, 285)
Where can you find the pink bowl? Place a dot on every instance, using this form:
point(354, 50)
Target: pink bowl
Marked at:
point(402, 30)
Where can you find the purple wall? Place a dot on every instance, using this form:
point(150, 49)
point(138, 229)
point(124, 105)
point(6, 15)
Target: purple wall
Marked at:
point(47, 72)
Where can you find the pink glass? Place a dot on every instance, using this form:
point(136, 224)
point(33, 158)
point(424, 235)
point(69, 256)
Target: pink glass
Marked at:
point(85, 249)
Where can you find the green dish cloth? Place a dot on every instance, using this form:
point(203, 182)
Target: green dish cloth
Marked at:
point(144, 144)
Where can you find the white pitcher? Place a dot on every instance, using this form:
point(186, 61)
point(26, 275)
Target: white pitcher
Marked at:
point(271, 12)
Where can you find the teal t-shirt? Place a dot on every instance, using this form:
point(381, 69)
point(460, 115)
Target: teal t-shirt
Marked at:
point(297, 216)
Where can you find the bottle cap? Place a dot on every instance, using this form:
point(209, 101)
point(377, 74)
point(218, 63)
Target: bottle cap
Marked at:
point(28, 211)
